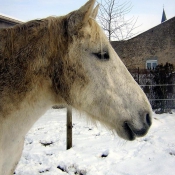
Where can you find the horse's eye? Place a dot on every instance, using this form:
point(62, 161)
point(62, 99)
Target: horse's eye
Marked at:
point(102, 55)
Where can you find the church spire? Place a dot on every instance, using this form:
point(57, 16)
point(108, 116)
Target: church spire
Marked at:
point(163, 16)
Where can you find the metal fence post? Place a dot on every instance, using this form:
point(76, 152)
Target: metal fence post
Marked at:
point(138, 76)
point(69, 127)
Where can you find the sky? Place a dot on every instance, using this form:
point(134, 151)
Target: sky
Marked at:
point(147, 12)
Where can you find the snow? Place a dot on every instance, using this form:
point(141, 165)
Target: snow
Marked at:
point(96, 151)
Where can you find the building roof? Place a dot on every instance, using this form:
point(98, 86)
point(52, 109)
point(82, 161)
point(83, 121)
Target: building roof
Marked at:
point(9, 19)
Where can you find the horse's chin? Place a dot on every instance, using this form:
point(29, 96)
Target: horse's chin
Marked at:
point(130, 133)
point(127, 134)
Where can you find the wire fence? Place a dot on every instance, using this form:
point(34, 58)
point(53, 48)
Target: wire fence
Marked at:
point(164, 101)
point(161, 96)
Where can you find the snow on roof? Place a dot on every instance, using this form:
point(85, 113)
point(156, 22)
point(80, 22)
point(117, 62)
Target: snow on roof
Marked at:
point(9, 19)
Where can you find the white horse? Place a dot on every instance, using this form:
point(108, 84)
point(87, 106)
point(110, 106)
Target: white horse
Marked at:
point(64, 60)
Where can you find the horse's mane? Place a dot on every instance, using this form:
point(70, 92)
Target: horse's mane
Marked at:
point(32, 46)
point(26, 47)
point(12, 39)
point(32, 25)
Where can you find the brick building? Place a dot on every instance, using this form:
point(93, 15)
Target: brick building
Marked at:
point(155, 46)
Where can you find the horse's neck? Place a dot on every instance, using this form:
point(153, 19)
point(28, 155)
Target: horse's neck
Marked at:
point(15, 123)
point(27, 91)
point(19, 118)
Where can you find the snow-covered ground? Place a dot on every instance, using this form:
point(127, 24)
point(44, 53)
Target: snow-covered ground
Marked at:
point(96, 151)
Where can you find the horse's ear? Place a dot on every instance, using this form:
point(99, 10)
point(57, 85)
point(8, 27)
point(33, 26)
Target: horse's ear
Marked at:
point(80, 17)
point(95, 12)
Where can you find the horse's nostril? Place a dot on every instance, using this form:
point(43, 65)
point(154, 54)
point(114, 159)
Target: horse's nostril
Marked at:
point(148, 119)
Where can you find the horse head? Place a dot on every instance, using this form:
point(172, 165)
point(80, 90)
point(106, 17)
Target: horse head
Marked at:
point(95, 80)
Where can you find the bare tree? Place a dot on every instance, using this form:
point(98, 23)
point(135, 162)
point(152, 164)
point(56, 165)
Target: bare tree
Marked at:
point(112, 17)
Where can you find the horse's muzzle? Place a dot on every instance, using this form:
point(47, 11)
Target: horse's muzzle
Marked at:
point(132, 132)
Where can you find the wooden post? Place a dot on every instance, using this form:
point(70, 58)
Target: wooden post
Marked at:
point(69, 127)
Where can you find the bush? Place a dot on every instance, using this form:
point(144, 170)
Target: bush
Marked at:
point(162, 75)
